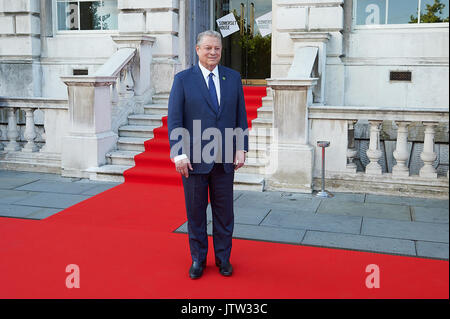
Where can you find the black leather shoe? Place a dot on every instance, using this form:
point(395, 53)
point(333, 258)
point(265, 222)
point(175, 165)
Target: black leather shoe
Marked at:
point(196, 270)
point(225, 268)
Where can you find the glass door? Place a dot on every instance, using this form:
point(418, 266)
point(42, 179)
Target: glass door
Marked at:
point(247, 50)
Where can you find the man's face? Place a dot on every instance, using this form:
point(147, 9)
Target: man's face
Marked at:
point(209, 52)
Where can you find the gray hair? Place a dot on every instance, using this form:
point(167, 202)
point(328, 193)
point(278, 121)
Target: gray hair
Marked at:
point(208, 33)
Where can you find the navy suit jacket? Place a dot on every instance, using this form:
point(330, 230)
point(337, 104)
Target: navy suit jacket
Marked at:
point(190, 100)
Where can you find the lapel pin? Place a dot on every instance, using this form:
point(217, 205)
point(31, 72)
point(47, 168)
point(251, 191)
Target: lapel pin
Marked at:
point(223, 78)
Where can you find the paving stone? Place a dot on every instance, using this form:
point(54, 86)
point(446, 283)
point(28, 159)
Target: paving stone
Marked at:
point(431, 249)
point(374, 210)
point(11, 196)
point(271, 234)
point(359, 242)
point(52, 200)
point(405, 230)
point(37, 176)
point(57, 187)
point(346, 197)
point(184, 228)
point(309, 221)
point(18, 211)
point(4, 173)
point(244, 215)
point(97, 189)
point(44, 213)
point(277, 201)
point(237, 194)
point(430, 214)
point(411, 201)
point(14, 182)
point(297, 195)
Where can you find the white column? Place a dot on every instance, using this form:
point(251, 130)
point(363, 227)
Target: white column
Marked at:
point(351, 150)
point(374, 152)
point(401, 153)
point(428, 155)
point(13, 132)
point(30, 132)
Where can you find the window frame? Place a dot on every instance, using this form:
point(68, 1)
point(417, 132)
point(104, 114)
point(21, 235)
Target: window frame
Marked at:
point(386, 25)
point(56, 31)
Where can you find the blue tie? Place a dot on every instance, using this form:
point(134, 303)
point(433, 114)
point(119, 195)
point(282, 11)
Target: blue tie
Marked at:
point(213, 93)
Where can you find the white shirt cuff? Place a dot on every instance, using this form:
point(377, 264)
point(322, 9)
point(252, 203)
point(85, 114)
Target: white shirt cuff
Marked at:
point(179, 157)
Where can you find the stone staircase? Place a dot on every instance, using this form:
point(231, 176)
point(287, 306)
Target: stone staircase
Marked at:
point(140, 129)
point(131, 140)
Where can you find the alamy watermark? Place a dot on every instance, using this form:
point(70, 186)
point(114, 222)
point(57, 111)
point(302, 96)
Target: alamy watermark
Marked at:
point(263, 141)
point(73, 279)
point(373, 279)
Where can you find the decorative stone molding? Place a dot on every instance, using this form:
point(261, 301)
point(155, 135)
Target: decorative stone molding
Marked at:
point(319, 40)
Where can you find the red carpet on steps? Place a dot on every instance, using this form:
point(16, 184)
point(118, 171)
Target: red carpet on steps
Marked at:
point(123, 242)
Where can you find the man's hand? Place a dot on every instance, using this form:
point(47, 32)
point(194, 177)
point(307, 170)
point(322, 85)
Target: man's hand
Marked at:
point(239, 159)
point(182, 167)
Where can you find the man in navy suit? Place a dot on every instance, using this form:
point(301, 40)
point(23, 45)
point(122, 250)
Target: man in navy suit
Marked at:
point(206, 103)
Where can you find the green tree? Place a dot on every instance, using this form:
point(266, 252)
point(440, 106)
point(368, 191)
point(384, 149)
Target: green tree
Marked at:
point(431, 16)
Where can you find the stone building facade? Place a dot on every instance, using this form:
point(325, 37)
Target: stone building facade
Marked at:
point(373, 66)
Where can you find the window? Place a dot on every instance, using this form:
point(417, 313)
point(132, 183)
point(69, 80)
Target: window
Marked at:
point(87, 15)
point(373, 12)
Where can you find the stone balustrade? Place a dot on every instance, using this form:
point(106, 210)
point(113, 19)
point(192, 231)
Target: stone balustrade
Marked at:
point(337, 124)
point(38, 141)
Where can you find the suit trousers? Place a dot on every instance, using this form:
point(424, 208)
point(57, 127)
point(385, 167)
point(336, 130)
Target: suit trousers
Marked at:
point(220, 187)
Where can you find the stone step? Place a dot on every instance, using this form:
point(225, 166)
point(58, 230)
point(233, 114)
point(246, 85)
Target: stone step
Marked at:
point(251, 182)
point(131, 143)
point(260, 136)
point(145, 119)
point(109, 173)
point(144, 131)
point(114, 173)
point(257, 150)
point(121, 157)
point(161, 98)
point(262, 123)
point(161, 109)
point(252, 166)
point(265, 112)
point(267, 101)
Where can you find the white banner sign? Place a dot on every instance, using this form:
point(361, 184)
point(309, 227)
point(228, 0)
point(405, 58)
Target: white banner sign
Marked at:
point(227, 25)
point(264, 23)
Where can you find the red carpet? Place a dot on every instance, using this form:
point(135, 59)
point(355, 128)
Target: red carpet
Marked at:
point(123, 243)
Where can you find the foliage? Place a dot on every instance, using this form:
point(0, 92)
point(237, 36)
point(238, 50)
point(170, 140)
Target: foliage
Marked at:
point(431, 15)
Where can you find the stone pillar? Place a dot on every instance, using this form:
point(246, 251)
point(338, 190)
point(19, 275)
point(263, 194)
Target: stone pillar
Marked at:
point(13, 131)
point(90, 136)
point(351, 149)
point(374, 152)
point(30, 132)
point(20, 34)
point(401, 153)
point(295, 155)
point(428, 155)
point(319, 40)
